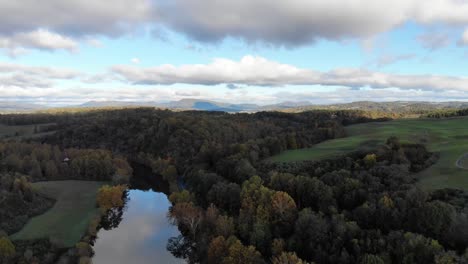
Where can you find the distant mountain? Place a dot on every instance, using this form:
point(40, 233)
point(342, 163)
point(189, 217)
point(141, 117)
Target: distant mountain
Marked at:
point(393, 107)
point(209, 105)
point(15, 107)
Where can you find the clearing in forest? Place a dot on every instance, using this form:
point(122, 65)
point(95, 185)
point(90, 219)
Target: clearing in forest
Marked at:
point(448, 136)
point(67, 221)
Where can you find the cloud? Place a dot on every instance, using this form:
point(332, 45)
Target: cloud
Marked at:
point(46, 72)
point(39, 39)
point(16, 75)
point(283, 23)
point(73, 17)
point(188, 93)
point(434, 40)
point(388, 59)
point(464, 39)
point(258, 71)
point(135, 60)
point(299, 22)
point(292, 22)
point(56, 24)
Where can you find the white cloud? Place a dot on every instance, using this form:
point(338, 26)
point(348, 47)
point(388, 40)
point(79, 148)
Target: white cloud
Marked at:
point(39, 39)
point(29, 77)
point(135, 60)
point(464, 39)
point(45, 72)
point(258, 71)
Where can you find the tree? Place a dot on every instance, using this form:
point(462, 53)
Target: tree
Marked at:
point(284, 212)
point(225, 226)
point(187, 216)
point(225, 196)
point(370, 160)
point(36, 171)
point(244, 170)
point(181, 197)
point(238, 253)
point(287, 258)
point(170, 174)
point(109, 197)
point(217, 250)
point(51, 170)
point(371, 259)
point(7, 249)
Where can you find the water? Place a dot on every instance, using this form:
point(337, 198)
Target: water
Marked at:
point(142, 235)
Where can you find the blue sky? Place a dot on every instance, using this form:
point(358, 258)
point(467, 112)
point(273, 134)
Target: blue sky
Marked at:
point(254, 51)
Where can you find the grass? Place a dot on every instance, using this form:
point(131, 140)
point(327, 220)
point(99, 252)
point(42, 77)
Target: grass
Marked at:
point(67, 221)
point(446, 136)
point(20, 132)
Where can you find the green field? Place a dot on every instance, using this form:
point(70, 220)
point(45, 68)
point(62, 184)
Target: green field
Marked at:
point(20, 132)
point(449, 137)
point(68, 219)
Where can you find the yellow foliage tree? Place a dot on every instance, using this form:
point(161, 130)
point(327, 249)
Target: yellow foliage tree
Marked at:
point(7, 249)
point(111, 196)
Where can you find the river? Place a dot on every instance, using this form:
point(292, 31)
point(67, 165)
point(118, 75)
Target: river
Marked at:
point(142, 235)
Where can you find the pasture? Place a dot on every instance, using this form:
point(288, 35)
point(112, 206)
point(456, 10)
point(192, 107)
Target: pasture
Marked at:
point(67, 221)
point(449, 137)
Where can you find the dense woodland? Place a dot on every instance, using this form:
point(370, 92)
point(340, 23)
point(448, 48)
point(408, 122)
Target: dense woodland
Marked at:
point(448, 113)
point(233, 206)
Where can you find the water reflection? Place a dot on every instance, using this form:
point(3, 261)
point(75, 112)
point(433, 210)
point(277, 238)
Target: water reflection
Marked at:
point(142, 235)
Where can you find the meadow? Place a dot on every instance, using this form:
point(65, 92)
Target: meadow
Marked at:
point(449, 137)
point(67, 221)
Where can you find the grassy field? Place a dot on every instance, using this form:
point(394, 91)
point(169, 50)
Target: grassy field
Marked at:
point(19, 132)
point(449, 137)
point(68, 219)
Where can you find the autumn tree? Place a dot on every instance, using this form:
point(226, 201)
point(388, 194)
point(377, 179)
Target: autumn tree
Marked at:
point(287, 258)
point(109, 197)
point(7, 249)
point(284, 212)
point(217, 250)
point(187, 216)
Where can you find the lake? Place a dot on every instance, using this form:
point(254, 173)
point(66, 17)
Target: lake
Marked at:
point(142, 235)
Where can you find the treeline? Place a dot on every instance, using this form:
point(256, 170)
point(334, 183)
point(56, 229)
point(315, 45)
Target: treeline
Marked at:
point(366, 209)
point(18, 202)
point(47, 162)
point(448, 113)
point(212, 140)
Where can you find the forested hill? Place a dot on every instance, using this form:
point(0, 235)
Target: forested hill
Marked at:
point(203, 137)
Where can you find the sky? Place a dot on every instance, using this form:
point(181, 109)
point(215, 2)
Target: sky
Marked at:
point(56, 52)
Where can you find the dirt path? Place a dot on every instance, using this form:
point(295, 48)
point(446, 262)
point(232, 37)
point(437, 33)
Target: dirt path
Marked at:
point(459, 161)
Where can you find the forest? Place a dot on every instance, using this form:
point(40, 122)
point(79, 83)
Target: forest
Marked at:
point(231, 204)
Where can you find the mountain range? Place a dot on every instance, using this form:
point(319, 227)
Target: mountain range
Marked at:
point(209, 105)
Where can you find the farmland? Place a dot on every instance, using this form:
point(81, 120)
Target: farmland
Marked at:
point(449, 137)
point(68, 219)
